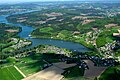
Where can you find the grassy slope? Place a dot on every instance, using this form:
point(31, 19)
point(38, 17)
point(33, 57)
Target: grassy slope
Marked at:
point(112, 73)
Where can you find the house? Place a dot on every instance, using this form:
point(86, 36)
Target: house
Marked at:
point(117, 34)
point(95, 29)
point(76, 33)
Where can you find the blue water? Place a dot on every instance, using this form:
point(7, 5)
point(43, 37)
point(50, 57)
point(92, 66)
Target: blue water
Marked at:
point(26, 30)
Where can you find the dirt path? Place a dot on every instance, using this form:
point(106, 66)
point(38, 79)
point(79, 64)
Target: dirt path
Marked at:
point(51, 73)
point(93, 71)
point(20, 71)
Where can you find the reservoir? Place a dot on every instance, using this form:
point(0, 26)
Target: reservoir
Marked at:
point(26, 30)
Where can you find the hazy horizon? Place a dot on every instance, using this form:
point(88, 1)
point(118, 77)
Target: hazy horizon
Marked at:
point(19, 1)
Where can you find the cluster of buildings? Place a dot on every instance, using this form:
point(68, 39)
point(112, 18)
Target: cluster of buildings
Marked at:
point(51, 49)
point(98, 61)
point(20, 43)
point(108, 49)
point(92, 36)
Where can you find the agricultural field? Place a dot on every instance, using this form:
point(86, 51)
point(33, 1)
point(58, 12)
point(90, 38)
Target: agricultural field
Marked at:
point(30, 66)
point(10, 73)
point(34, 61)
point(95, 26)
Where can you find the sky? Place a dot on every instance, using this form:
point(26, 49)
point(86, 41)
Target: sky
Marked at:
point(14, 1)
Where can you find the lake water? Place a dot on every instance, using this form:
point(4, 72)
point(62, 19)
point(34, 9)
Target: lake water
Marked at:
point(26, 30)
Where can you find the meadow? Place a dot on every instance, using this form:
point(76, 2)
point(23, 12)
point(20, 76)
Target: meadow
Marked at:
point(10, 73)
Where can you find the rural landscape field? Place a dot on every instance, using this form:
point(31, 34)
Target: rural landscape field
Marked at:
point(60, 40)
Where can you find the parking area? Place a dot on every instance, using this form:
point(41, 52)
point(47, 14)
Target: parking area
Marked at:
point(93, 71)
point(51, 73)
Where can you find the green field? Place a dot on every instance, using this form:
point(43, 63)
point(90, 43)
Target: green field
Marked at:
point(112, 73)
point(33, 64)
point(10, 73)
point(74, 72)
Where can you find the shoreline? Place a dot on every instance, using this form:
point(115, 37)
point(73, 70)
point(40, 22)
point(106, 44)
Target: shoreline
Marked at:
point(34, 28)
point(32, 37)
